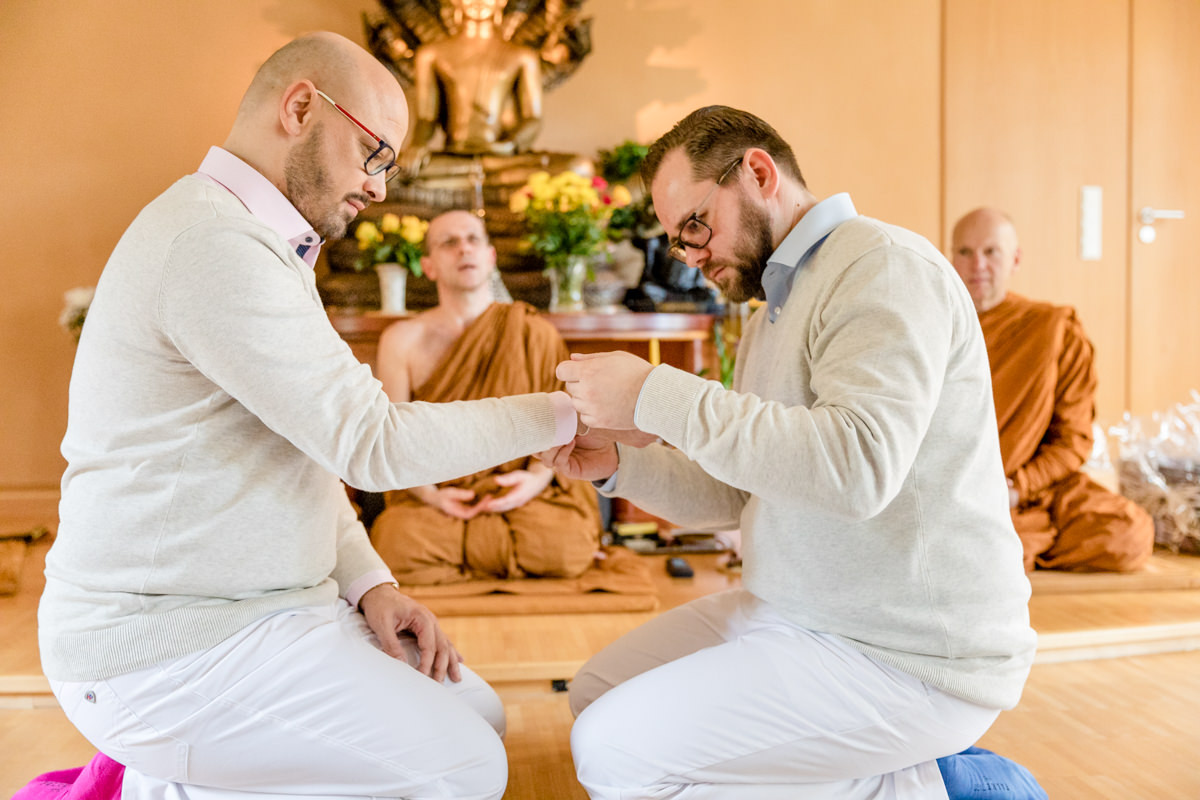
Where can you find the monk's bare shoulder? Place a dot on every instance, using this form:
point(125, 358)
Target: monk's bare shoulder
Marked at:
point(405, 336)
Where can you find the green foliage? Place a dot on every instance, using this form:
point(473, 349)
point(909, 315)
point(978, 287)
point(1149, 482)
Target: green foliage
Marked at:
point(566, 215)
point(623, 161)
point(726, 353)
point(558, 234)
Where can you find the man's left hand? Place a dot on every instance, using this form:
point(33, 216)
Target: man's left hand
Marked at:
point(604, 387)
point(389, 613)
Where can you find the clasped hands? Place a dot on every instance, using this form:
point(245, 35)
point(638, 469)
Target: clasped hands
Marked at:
point(512, 490)
point(604, 389)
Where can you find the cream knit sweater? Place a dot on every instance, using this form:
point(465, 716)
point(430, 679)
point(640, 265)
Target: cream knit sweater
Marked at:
point(213, 409)
point(858, 454)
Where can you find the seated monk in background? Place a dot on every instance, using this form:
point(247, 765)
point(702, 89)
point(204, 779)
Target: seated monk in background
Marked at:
point(517, 519)
point(1043, 384)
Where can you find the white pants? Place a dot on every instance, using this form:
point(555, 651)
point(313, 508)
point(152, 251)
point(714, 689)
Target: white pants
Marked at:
point(302, 703)
point(723, 698)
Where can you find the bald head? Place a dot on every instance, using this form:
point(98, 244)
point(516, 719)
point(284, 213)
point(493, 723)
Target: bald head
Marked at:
point(458, 257)
point(290, 131)
point(335, 65)
point(449, 222)
point(985, 252)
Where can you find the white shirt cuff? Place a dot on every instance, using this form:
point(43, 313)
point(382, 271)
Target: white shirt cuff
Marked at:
point(366, 583)
point(606, 485)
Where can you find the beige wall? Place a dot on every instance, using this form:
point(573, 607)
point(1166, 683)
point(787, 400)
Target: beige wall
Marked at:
point(919, 108)
point(852, 85)
point(107, 103)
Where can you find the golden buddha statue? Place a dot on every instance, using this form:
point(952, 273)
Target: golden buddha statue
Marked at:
point(477, 70)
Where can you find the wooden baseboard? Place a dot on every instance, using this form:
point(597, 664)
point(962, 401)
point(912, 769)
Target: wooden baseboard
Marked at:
point(24, 685)
point(29, 507)
point(1054, 648)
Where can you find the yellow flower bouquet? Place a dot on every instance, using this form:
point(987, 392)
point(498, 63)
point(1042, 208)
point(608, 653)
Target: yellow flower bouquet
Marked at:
point(395, 239)
point(566, 217)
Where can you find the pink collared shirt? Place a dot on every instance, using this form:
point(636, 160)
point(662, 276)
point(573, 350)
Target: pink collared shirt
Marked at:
point(262, 199)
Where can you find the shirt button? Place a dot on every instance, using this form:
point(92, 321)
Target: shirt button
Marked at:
point(777, 310)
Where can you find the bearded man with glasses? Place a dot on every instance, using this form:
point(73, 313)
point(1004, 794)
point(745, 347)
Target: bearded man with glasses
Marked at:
point(883, 623)
point(215, 619)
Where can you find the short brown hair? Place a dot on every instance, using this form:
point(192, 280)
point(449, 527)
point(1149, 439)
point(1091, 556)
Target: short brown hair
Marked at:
point(713, 137)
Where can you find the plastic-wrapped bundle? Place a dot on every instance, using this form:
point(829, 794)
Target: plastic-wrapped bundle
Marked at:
point(1159, 469)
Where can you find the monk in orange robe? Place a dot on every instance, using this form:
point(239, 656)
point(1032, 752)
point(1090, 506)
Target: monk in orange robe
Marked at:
point(1044, 384)
point(513, 521)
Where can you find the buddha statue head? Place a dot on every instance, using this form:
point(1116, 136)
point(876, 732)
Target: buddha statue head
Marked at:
point(467, 13)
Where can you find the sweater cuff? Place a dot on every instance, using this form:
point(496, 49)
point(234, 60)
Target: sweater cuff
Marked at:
point(366, 583)
point(566, 421)
point(666, 401)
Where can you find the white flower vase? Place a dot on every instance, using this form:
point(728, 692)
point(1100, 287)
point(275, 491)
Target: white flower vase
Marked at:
point(393, 281)
point(566, 284)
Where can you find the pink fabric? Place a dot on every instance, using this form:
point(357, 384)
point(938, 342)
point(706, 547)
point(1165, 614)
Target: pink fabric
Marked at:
point(262, 199)
point(100, 780)
point(368, 581)
point(566, 421)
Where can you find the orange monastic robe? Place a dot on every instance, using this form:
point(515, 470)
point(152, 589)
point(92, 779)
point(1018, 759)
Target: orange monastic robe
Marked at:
point(508, 350)
point(1044, 384)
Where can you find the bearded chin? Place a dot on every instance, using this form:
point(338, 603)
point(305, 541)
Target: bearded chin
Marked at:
point(307, 185)
point(752, 254)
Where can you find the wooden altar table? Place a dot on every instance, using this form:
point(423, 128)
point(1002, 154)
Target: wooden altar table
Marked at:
point(671, 338)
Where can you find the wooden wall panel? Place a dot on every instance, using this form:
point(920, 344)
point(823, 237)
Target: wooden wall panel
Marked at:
point(853, 86)
point(1036, 106)
point(1164, 280)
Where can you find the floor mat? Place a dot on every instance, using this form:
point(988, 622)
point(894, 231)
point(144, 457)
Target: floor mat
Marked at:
point(620, 581)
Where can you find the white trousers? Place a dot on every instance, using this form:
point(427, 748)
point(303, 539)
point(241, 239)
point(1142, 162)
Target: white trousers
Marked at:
point(303, 704)
point(723, 698)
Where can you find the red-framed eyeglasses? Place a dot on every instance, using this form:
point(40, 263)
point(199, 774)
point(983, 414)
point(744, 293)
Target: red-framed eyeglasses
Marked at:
point(383, 159)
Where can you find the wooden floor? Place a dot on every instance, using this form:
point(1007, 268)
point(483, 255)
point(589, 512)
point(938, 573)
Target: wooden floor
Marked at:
point(1111, 710)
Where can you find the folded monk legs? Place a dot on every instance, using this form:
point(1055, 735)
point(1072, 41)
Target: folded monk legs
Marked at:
point(1080, 526)
point(551, 536)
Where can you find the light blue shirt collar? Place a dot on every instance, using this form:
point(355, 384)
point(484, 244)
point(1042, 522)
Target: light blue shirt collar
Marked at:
point(798, 247)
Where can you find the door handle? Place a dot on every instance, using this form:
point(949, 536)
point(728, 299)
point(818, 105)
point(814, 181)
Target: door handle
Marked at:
point(1148, 216)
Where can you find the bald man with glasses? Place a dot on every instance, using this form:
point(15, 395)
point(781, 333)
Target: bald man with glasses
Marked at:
point(215, 618)
point(883, 623)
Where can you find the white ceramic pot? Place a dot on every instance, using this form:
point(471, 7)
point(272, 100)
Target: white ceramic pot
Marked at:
point(393, 284)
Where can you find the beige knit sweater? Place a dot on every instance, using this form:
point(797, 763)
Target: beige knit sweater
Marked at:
point(858, 454)
point(213, 409)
